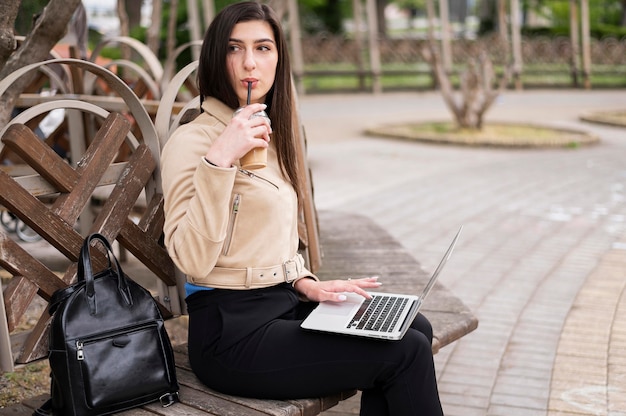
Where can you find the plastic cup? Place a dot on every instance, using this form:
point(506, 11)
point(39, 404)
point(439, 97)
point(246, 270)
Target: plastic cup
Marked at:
point(257, 157)
point(254, 159)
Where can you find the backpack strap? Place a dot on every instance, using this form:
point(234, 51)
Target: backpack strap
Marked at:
point(45, 409)
point(60, 295)
point(166, 400)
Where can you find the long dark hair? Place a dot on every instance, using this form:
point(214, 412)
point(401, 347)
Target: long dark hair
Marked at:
point(213, 78)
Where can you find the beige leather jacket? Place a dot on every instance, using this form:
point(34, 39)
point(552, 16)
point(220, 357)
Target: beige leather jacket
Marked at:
point(227, 227)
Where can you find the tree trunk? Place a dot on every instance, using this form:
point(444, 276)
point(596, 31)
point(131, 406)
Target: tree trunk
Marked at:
point(154, 31)
point(574, 41)
point(586, 42)
point(374, 46)
point(194, 24)
point(47, 31)
point(171, 28)
point(280, 7)
point(295, 38)
point(357, 8)
point(380, 17)
point(208, 11)
point(8, 12)
point(516, 40)
point(502, 26)
point(123, 17)
point(446, 34)
point(124, 27)
point(133, 11)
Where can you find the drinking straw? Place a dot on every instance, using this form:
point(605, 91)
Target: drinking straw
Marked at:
point(249, 92)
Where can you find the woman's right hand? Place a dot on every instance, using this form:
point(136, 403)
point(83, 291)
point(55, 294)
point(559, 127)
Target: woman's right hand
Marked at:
point(240, 136)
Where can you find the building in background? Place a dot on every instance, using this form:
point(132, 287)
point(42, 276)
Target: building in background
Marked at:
point(102, 15)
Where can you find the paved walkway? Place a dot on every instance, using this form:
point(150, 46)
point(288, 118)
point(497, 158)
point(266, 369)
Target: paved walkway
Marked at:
point(542, 259)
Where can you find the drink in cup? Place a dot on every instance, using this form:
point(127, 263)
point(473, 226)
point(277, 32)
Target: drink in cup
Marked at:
point(257, 157)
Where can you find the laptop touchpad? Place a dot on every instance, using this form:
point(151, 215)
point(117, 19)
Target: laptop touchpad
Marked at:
point(346, 308)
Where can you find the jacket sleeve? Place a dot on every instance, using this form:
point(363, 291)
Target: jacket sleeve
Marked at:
point(197, 200)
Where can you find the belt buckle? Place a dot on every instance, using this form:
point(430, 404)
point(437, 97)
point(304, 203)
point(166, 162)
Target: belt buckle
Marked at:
point(286, 271)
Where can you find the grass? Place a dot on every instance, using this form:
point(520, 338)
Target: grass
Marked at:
point(492, 134)
point(25, 382)
point(417, 77)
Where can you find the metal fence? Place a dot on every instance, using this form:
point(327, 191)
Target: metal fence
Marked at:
point(338, 63)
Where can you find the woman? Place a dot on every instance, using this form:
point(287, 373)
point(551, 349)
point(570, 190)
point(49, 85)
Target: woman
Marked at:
point(233, 232)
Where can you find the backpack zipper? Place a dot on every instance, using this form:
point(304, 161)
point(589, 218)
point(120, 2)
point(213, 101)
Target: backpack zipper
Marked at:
point(80, 343)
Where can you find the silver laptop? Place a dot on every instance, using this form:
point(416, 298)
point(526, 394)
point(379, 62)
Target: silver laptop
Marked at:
point(385, 316)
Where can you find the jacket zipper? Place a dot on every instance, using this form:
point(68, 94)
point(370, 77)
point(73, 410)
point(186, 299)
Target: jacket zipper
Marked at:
point(253, 175)
point(231, 223)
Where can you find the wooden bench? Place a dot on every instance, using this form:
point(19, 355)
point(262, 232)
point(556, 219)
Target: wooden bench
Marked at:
point(352, 245)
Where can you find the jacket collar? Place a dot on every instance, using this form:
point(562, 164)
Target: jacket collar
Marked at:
point(217, 109)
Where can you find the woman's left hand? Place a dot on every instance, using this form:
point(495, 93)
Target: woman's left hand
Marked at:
point(332, 290)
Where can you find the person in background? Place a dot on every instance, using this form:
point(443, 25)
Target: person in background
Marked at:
point(234, 233)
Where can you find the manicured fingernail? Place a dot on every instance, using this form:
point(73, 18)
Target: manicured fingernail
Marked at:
point(341, 298)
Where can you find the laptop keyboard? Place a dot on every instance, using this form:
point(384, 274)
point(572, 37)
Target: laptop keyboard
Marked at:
point(378, 314)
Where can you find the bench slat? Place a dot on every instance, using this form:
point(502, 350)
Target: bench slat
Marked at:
point(181, 409)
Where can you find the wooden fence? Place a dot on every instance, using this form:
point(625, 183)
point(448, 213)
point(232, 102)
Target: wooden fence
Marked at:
point(547, 62)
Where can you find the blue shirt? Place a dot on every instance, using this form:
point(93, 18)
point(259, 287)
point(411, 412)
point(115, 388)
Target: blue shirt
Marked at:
point(190, 288)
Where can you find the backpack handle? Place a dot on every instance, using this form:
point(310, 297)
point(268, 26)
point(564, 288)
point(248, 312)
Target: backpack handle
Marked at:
point(85, 272)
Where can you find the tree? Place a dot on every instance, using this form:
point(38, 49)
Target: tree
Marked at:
point(478, 89)
point(8, 43)
point(48, 29)
point(382, 21)
point(153, 35)
point(133, 11)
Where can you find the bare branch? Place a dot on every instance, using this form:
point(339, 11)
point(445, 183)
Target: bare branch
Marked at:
point(430, 55)
point(48, 30)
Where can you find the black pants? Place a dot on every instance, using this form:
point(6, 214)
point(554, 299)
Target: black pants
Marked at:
point(280, 360)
